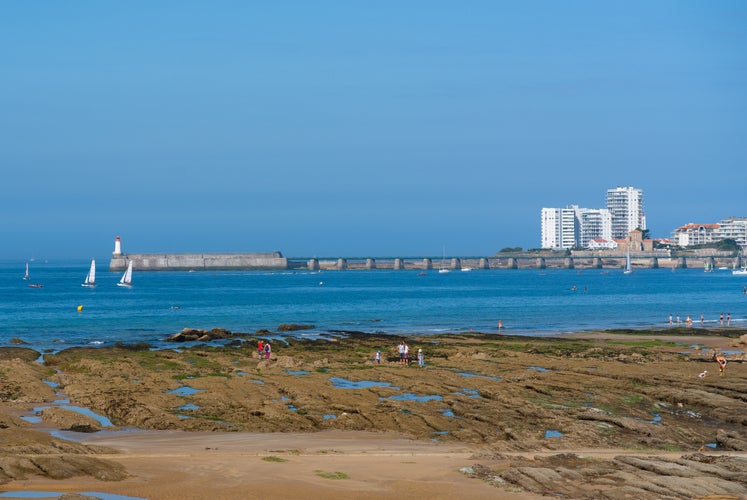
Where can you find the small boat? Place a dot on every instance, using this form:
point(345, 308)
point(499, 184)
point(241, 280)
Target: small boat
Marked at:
point(90, 280)
point(466, 269)
point(740, 272)
point(443, 269)
point(35, 285)
point(26, 276)
point(628, 268)
point(126, 279)
point(708, 267)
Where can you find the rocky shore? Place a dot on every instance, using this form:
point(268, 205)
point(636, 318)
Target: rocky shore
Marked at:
point(532, 411)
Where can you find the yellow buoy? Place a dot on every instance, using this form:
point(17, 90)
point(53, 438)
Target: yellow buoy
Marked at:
point(80, 308)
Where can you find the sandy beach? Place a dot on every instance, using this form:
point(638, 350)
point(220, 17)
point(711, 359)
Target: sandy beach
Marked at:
point(588, 415)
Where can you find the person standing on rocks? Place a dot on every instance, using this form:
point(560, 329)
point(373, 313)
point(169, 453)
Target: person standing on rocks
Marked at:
point(407, 354)
point(377, 357)
point(421, 358)
point(401, 350)
point(268, 349)
point(260, 349)
point(721, 360)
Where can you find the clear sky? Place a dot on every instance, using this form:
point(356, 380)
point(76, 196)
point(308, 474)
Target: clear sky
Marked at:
point(349, 128)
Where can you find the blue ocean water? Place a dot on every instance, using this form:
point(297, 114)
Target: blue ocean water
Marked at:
point(536, 302)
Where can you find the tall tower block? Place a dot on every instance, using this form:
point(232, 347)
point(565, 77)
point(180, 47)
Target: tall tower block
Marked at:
point(117, 246)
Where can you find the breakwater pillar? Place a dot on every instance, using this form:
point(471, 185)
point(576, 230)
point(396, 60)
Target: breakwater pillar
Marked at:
point(597, 263)
point(313, 265)
point(427, 264)
point(342, 264)
point(512, 263)
point(456, 263)
point(568, 263)
point(398, 264)
point(541, 264)
point(370, 264)
point(483, 263)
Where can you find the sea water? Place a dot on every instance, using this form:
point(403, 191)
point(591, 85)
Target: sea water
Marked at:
point(528, 302)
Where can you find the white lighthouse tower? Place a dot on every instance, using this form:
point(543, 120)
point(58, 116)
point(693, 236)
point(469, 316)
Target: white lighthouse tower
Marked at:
point(117, 247)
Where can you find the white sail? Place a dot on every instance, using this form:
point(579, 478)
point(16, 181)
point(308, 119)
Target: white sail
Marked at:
point(628, 268)
point(26, 276)
point(126, 279)
point(91, 276)
point(443, 269)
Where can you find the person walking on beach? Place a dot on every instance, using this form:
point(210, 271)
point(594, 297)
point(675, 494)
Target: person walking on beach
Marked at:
point(721, 360)
point(728, 319)
point(377, 357)
point(401, 350)
point(407, 354)
point(260, 349)
point(721, 319)
point(500, 326)
point(670, 320)
point(702, 320)
point(268, 350)
point(688, 321)
point(421, 359)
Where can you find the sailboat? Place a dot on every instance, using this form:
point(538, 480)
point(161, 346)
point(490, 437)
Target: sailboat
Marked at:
point(91, 276)
point(628, 268)
point(126, 279)
point(443, 269)
point(26, 276)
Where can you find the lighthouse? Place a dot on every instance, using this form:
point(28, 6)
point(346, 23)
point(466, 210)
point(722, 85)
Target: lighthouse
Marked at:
point(117, 247)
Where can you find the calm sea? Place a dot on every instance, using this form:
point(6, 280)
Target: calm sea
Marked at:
point(531, 302)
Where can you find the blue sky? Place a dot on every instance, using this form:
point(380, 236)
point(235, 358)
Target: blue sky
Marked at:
point(338, 128)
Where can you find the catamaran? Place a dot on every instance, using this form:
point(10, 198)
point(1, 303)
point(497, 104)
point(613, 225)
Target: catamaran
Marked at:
point(91, 276)
point(126, 279)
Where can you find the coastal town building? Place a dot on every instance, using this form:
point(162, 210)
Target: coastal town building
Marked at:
point(734, 228)
point(626, 206)
point(573, 227)
point(559, 227)
point(695, 234)
point(602, 244)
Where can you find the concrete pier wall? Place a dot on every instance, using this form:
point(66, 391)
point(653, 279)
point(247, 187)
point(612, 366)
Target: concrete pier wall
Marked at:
point(528, 260)
point(198, 261)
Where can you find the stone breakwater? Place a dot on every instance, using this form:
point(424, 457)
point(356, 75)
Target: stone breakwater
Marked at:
point(524, 260)
point(198, 261)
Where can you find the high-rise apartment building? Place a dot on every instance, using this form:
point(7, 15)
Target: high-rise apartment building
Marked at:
point(572, 226)
point(626, 206)
point(595, 223)
point(559, 227)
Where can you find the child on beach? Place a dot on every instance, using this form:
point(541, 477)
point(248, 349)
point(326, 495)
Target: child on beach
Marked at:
point(421, 360)
point(377, 357)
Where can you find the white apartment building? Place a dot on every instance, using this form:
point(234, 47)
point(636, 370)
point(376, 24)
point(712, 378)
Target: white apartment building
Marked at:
point(572, 226)
point(626, 206)
point(734, 228)
point(559, 227)
point(596, 224)
point(695, 234)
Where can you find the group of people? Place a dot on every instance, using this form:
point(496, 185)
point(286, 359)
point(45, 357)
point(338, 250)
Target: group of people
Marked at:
point(263, 350)
point(404, 355)
point(689, 321)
